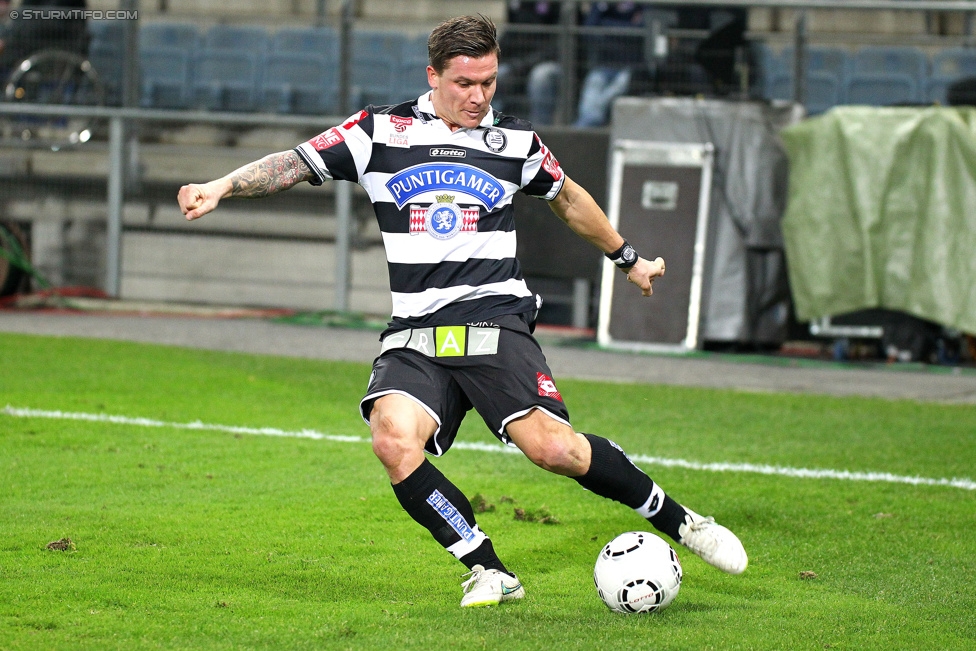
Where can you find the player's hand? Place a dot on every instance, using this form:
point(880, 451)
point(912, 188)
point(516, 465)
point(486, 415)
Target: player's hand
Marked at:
point(645, 272)
point(196, 200)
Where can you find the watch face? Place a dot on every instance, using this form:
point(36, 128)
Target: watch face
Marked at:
point(628, 256)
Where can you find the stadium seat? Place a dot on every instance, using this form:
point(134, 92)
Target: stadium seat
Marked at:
point(886, 75)
point(169, 35)
point(379, 43)
point(321, 41)
point(375, 70)
point(412, 76)
point(821, 59)
point(165, 77)
point(769, 68)
point(948, 66)
point(902, 60)
point(225, 80)
point(298, 83)
point(106, 58)
point(107, 33)
point(954, 62)
point(824, 90)
point(826, 76)
point(882, 89)
point(253, 40)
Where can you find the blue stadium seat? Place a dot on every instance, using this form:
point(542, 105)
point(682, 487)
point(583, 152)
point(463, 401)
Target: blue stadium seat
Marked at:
point(375, 69)
point(826, 74)
point(253, 40)
point(891, 60)
point(225, 80)
point(779, 86)
point(411, 79)
point(378, 43)
point(169, 35)
point(768, 67)
point(938, 90)
point(949, 66)
point(373, 80)
point(886, 75)
point(882, 89)
point(106, 58)
point(821, 59)
point(954, 62)
point(107, 33)
point(298, 83)
point(824, 90)
point(321, 41)
point(165, 77)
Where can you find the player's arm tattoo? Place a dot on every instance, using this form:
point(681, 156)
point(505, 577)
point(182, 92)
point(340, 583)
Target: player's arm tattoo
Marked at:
point(271, 174)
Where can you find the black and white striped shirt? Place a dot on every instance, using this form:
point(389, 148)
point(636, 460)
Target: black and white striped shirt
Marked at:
point(443, 201)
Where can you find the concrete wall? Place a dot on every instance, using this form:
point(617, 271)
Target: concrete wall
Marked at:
point(274, 252)
point(247, 271)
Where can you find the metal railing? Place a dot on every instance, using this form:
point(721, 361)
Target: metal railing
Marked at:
point(120, 121)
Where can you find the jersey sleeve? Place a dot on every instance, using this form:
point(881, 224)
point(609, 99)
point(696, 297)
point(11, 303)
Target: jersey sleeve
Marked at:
point(542, 175)
point(340, 153)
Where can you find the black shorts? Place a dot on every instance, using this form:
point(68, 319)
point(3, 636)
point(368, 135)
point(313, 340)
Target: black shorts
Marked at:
point(501, 385)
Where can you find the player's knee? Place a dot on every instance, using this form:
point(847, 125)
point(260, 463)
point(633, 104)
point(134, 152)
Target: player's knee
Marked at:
point(389, 441)
point(558, 454)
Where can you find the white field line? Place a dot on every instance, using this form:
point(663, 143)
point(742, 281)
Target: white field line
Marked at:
point(802, 473)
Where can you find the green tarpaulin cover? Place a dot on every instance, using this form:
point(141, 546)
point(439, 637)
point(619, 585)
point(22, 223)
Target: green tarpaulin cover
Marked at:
point(882, 213)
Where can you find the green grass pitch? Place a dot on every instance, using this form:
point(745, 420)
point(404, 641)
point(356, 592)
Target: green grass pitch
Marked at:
point(202, 539)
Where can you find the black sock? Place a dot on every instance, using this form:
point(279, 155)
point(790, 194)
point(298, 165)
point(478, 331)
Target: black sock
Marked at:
point(613, 475)
point(438, 505)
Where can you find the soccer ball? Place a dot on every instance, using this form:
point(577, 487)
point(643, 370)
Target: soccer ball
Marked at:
point(637, 572)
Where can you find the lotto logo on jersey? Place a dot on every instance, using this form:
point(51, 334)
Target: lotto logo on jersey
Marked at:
point(547, 387)
point(327, 139)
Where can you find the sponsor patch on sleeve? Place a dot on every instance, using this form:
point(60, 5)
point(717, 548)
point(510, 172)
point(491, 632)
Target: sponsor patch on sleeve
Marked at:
point(326, 139)
point(549, 162)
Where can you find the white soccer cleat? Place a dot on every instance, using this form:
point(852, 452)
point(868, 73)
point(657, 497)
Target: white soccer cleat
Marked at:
point(715, 544)
point(489, 588)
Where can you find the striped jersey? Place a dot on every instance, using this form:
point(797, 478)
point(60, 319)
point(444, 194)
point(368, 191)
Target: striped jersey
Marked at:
point(443, 201)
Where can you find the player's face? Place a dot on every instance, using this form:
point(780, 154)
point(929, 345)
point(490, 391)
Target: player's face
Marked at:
point(462, 93)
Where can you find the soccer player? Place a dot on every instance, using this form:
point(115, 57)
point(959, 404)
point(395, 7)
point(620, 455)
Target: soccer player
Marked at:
point(441, 171)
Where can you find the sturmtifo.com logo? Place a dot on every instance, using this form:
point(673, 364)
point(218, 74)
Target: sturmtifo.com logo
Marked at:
point(73, 14)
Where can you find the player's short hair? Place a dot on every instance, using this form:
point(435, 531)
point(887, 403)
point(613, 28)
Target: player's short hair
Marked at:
point(471, 36)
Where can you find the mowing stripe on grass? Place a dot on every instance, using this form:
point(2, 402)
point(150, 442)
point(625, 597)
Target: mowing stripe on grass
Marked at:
point(802, 473)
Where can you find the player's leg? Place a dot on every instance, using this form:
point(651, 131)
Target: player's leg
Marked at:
point(425, 413)
point(601, 466)
point(514, 392)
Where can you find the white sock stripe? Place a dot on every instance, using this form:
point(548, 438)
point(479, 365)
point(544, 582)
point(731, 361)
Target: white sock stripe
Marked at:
point(963, 483)
point(464, 547)
point(653, 504)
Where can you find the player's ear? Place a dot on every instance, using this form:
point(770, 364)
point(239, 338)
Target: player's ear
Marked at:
point(433, 79)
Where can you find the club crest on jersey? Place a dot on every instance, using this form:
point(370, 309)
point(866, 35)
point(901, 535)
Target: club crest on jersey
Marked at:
point(452, 177)
point(495, 140)
point(444, 219)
